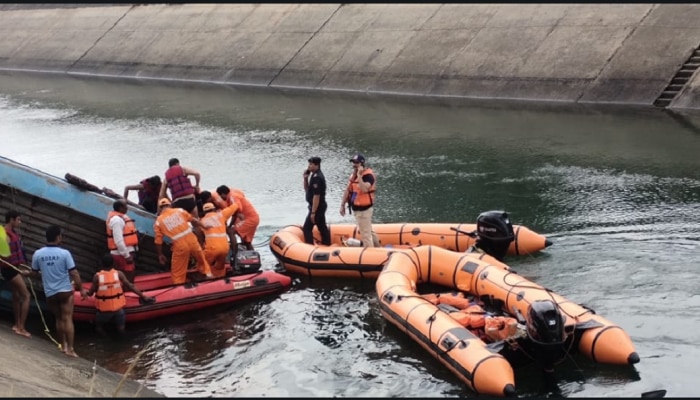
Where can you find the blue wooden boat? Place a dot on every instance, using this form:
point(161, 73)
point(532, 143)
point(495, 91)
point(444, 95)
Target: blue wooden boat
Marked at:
point(44, 199)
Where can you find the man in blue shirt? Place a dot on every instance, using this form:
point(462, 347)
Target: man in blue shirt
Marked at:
point(56, 267)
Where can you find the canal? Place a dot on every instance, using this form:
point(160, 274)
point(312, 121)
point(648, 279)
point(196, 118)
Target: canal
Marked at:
point(616, 189)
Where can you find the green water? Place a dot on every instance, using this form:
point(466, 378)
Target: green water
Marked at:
point(616, 189)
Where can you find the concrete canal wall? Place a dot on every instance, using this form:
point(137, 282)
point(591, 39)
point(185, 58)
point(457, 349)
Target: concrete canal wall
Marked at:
point(588, 53)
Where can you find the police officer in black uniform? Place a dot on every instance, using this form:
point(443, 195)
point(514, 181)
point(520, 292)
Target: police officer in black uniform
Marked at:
point(315, 187)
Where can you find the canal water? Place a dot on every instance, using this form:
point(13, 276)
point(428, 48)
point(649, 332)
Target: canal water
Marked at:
point(616, 189)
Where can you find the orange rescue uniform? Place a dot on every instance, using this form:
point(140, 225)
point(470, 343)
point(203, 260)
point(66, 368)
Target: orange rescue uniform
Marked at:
point(216, 242)
point(248, 224)
point(175, 224)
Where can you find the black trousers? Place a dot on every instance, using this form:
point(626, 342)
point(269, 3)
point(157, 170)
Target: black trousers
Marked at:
point(320, 224)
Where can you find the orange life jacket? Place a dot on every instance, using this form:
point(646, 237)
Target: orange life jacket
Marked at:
point(131, 237)
point(109, 295)
point(500, 328)
point(358, 198)
point(455, 299)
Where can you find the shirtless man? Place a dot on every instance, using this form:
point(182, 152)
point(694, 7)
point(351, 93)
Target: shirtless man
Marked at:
point(56, 267)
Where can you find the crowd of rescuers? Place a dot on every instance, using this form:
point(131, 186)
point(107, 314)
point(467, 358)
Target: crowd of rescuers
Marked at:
point(202, 225)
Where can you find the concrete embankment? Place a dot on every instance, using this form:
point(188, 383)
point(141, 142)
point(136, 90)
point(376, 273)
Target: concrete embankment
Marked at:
point(585, 53)
point(35, 368)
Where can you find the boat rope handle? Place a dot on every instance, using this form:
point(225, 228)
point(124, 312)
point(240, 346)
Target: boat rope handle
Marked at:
point(38, 306)
point(551, 295)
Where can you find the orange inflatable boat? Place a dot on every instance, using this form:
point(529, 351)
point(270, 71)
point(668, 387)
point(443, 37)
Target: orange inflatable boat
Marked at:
point(549, 325)
point(339, 260)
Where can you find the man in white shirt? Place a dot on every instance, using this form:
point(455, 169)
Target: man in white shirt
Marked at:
point(122, 239)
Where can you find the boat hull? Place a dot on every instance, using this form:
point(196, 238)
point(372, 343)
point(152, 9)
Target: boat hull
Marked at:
point(44, 200)
point(338, 260)
point(176, 299)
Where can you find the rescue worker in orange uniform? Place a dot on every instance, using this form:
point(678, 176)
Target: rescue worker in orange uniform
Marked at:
point(109, 296)
point(244, 223)
point(122, 239)
point(177, 225)
point(216, 242)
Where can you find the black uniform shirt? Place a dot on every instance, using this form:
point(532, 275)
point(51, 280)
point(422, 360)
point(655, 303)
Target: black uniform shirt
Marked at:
point(317, 185)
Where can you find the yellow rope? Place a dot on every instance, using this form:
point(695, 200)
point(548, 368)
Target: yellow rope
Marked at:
point(36, 300)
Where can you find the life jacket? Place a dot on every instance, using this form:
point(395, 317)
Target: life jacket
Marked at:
point(358, 198)
point(474, 317)
point(131, 237)
point(173, 223)
point(455, 299)
point(109, 295)
point(179, 184)
point(500, 328)
point(149, 192)
point(16, 256)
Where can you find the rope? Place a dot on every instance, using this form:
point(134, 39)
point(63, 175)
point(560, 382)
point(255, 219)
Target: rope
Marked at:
point(36, 301)
point(263, 243)
point(551, 296)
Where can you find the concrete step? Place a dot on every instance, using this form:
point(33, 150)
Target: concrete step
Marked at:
point(679, 81)
point(667, 95)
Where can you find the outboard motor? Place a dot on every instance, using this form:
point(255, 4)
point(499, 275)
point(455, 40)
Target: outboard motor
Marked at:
point(246, 261)
point(545, 329)
point(494, 233)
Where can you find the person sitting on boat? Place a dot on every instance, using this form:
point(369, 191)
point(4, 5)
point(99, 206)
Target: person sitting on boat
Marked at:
point(244, 222)
point(107, 286)
point(122, 239)
point(176, 224)
point(216, 242)
point(148, 192)
point(182, 192)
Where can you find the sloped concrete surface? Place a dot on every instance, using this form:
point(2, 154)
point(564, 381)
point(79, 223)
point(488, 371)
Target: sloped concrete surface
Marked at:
point(589, 53)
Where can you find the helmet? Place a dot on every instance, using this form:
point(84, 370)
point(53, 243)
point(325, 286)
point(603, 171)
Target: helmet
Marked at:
point(494, 233)
point(164, 202)
point(208, 207)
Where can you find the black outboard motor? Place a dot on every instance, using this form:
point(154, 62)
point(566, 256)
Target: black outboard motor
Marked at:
point(494, 233)
point(245, 262)
point(545, 329)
